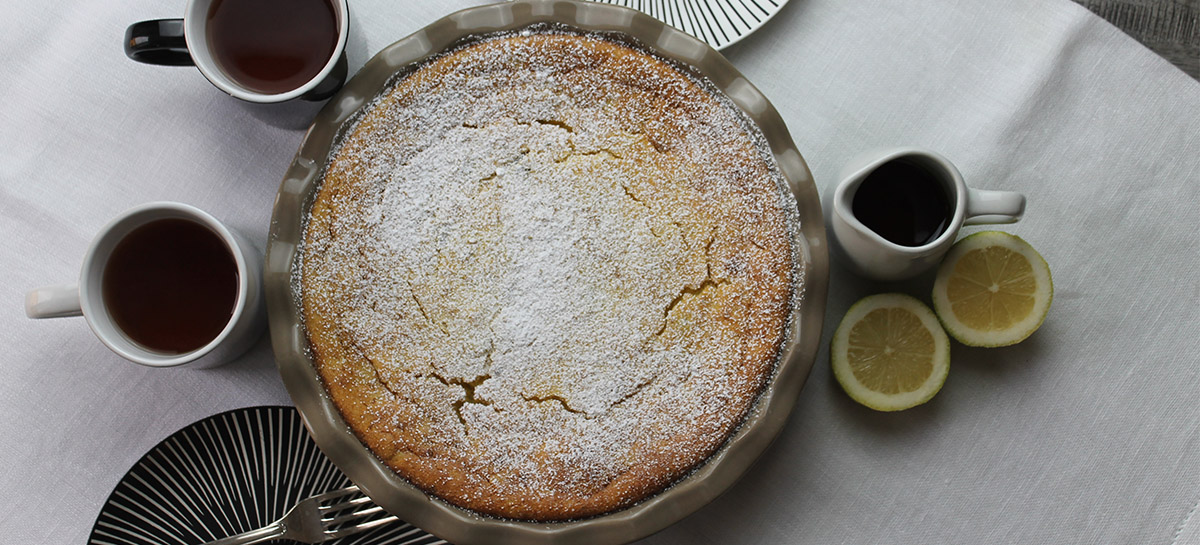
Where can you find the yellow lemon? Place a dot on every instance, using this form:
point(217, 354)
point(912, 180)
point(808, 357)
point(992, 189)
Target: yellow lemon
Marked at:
point(992, 289)
point(889, 353)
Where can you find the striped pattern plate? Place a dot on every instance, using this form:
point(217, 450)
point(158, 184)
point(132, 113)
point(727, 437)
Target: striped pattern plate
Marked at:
point(227, 474)
point(719, 23)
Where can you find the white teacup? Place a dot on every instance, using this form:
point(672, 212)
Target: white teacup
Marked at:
point(247, 317)
point(872, 255)
point(188, 41)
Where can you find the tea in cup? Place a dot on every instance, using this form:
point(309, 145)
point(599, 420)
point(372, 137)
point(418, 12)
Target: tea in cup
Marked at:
point(256, 50)
point(165, 285)
point(894, 213)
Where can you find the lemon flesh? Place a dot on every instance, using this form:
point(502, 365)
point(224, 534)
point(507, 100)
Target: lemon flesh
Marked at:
point(992, 289)
point(889, 353)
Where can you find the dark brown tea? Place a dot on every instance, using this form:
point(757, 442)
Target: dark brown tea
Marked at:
point(272, 46)
point(904, 203)
point(171, 285)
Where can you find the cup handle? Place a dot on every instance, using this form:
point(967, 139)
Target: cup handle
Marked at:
point(159, 42)
point(985, 206)
point(53, 302)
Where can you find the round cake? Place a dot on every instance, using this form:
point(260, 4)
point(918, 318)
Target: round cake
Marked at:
point(547, 274)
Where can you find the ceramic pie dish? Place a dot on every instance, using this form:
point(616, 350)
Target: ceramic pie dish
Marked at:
point(326, 424)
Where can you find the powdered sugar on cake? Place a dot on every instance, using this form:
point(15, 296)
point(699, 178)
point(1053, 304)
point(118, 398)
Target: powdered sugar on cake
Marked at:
point(550, 278)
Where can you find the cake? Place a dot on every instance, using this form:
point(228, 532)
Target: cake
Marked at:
point(547, 274)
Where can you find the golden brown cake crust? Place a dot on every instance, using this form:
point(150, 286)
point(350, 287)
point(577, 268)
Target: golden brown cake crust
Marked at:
point(546, 275)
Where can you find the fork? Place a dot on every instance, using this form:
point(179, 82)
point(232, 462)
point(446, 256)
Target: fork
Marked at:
point(316, 519)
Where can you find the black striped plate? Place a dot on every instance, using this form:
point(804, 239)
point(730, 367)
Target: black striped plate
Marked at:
point(718, 23)
point(227, 474)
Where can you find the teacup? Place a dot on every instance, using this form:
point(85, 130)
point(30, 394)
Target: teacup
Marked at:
point(165, 285)
point(894, 213)
point(261, 51)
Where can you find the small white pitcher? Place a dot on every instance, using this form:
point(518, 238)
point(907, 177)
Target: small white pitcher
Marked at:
point(873, 256)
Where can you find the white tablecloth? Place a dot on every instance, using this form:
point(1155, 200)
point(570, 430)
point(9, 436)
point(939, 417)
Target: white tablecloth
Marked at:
point(1085, 433)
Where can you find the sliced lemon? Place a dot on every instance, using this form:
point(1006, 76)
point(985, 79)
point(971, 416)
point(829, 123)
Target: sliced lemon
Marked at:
point(992, 289)
point(889, 353)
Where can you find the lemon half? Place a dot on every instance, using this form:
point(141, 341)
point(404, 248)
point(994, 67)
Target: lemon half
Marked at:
point(992, 289)
point(890, 353)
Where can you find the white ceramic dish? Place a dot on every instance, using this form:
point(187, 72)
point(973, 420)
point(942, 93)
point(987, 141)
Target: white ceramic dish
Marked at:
point(390, 490)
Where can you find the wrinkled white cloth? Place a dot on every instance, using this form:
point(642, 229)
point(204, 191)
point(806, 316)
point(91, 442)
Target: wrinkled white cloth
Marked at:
point(1085, 433)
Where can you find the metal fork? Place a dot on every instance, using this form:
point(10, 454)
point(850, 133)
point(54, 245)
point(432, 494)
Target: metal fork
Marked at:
point(316, 519)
